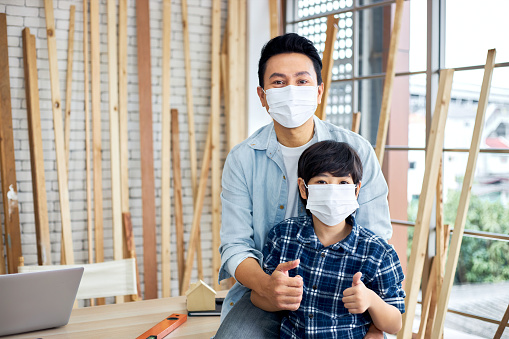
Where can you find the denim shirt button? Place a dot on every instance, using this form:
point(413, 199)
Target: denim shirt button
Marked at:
point(284, 177)
point(281, 207)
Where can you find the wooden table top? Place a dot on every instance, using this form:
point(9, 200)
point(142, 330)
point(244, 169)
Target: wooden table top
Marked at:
point(128, 320)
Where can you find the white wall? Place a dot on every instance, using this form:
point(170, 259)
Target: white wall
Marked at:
point(30, 13)
point(258, 35)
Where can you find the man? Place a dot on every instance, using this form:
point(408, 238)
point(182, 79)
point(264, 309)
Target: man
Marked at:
point(260, 186)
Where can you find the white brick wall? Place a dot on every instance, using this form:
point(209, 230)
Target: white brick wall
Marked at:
point(30, 13)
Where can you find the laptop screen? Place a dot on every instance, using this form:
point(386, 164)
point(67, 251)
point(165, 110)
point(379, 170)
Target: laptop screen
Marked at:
point(37, 300)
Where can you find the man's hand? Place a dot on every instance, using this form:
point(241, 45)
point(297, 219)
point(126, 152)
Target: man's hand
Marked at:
point(374, 333)
point(282, 291)
point(357, 299)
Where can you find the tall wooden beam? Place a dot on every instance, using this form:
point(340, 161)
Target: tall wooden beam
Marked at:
point(95, 59)
point(36, 152)
point(87, 133)
point(195, 227)
point(461, 216)
point(502, 325)
point(116, 195)
point(68, 87)
point(215, 111)
point(356, 122)
point(274, 18)
point(177, 195)
point(56, 102)
point(7, 163)
point(147, 149)
point(390, 71)
point(166, 154)
point(328, 62)
point(189, 96)
point(433, 153)
point(232, 121)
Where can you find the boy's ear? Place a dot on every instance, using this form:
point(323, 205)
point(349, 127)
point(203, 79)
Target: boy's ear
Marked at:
point(358, 190)
point(302, 188)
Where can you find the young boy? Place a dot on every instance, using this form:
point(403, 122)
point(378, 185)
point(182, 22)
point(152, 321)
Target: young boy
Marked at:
point(346, 269)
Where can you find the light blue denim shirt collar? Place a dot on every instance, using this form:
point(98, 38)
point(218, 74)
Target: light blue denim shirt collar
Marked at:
point(267, 139)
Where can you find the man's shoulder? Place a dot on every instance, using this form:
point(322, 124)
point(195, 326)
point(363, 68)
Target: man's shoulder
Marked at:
point(256, 141)
point(375, 242)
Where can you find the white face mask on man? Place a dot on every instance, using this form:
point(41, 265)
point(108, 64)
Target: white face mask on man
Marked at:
point(291, 106)
point(330, 203)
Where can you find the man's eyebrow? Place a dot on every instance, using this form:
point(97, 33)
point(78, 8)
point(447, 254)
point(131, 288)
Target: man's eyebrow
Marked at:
point(302, 73)
point(277, 75)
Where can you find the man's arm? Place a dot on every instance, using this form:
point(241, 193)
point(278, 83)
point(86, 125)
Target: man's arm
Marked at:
point(359, 299)
point(275, 292)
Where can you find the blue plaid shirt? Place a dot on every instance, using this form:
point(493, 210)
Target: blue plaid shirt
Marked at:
point(327, 272)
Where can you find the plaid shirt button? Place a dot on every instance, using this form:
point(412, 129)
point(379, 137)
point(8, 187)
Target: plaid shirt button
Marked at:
point(323, 255)
point(310, 315)
point(314, 287)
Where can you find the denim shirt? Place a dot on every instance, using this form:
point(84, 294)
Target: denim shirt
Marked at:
point(255, 194)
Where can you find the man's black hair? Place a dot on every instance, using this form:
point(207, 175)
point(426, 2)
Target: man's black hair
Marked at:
point(334, 157)
point(289, 43)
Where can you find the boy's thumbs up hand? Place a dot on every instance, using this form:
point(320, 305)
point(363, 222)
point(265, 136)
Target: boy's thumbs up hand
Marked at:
point(357, 299)
point(357, 279)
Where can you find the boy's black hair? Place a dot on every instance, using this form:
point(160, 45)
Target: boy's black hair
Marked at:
point(334, 157)
point(289, 43)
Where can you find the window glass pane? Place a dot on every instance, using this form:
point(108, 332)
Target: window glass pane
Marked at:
point(481, 286)
point(472, 27)
point(463, 109)
point(417, 118)
point(339, 104)
point(370, 49)
point(370, 101)
point(418, 35)
point(307, 8)
point(489, 201)
point(367, 2)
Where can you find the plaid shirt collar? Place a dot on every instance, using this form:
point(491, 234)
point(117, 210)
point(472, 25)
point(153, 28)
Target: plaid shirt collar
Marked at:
point(307, 235)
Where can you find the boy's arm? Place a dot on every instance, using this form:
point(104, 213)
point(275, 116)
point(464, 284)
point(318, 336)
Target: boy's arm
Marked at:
point(359, 298)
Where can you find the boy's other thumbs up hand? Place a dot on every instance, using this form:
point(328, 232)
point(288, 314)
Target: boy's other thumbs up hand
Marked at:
point(357, 279)
point(357, 298)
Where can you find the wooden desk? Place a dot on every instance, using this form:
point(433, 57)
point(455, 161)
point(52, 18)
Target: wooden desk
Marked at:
point(129, 320)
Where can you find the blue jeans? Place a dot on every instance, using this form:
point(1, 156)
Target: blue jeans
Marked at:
point(245, 320)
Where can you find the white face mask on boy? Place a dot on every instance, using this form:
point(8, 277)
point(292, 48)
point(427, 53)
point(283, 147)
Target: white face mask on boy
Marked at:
point(332, 204)
point(291, 106)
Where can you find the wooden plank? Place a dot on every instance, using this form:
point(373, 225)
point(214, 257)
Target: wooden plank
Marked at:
point(7, 163)
point(390, 71)
point(166, 154)
point(274, 18)
point(328, 62)
point(177, 195)
point(146, 144)
point(232, 121)
point(503, 324)
point(56, 102)
point(87, 134)
point(421, 229)
point(116, 195)
point(225, 86)
point(131, 249)
point(96, 129)
point(242, 71)
point(36, 152)
point(215, 112)
point(356, 122)
point(189, 96)
point(442, 247)
point(68, 87)
point(426, 301)
point(461, 216)
point(195, 227)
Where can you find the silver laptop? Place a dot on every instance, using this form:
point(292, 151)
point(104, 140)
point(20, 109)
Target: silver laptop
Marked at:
point(37, 300)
